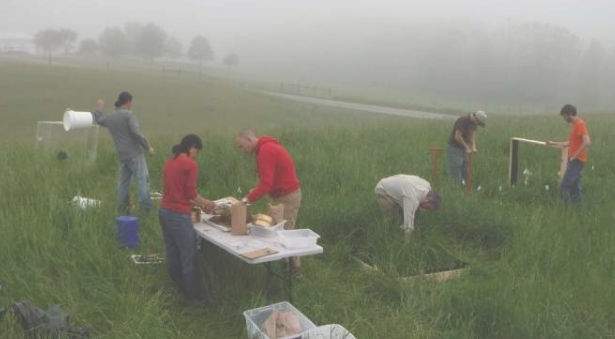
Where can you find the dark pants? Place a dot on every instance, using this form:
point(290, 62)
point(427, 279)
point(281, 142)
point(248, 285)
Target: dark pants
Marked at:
point(570, 188)
point(181, 252)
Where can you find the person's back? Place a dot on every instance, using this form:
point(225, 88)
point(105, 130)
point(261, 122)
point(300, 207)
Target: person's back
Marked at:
point(286, 176)
point(179, 184)
point(124, 128)
point(402, 185)
point(276, 170)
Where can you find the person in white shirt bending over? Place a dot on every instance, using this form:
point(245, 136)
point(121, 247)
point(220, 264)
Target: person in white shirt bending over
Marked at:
point(401, 195)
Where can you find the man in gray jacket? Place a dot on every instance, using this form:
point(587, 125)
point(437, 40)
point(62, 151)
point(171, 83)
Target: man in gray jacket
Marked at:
point(129, 143)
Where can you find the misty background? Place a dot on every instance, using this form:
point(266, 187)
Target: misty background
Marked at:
point(534, 52)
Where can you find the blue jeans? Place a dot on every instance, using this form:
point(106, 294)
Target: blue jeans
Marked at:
point(134, 166)
point(457, 164)
point(570, 188)
point(180, 242)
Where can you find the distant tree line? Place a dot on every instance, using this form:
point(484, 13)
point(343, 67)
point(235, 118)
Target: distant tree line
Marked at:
point(146, 41)
point(529, 62)
point(51, 40)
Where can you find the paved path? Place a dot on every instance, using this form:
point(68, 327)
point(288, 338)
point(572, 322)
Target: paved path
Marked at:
point(362, 107)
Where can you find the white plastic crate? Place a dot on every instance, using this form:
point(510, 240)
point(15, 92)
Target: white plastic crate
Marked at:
point(328, 332)
point(301, 238)
point(255, 318)
point(266, 232)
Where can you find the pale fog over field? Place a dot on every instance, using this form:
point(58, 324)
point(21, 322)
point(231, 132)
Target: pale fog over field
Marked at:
point(530, 51)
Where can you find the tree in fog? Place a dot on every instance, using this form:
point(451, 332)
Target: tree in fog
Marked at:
point(231, 60)
point(113, 42)
point(200, 50)
point(150, 43)
point(88, 47)
point(173, 48)
point(132, 30)
point(48, 40)
point(68, 37)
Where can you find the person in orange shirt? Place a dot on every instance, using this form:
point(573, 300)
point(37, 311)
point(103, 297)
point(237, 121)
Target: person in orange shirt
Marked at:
point(577, 144)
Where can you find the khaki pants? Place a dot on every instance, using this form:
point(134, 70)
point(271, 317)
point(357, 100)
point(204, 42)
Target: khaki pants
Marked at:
point(291, 204)
point(394, 213)
point(391, 210)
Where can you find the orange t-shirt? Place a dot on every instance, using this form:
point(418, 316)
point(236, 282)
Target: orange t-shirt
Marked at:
point(577, 131)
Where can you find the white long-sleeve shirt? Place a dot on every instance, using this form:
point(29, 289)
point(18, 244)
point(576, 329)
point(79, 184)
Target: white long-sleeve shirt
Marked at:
point(407, 191)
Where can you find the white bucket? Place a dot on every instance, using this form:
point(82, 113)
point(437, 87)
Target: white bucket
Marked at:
point(75, 120)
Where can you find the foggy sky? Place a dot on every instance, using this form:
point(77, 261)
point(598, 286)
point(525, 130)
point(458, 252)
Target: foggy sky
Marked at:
point(227, 23)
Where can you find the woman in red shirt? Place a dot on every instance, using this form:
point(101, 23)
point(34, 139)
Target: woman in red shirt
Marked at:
point(179, 195)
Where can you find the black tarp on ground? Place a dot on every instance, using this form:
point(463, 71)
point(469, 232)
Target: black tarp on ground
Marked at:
point(52, 323)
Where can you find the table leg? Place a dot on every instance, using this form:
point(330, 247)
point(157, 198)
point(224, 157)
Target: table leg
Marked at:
point(269, 283)
point(290, 280)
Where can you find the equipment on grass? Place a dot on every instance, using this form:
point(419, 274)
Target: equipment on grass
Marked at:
point(435, 157)
point(513, 162)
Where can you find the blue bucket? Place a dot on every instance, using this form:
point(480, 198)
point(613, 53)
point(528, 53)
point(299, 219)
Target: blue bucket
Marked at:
point(128, 231)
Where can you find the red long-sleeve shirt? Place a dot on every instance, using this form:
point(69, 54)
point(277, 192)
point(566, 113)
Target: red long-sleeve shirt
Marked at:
point(179, 180)
point(276, 170)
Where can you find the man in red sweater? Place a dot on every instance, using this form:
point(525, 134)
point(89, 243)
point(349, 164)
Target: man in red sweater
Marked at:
point(276, 172)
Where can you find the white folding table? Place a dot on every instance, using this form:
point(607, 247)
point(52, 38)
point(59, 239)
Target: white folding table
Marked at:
point(238, 244)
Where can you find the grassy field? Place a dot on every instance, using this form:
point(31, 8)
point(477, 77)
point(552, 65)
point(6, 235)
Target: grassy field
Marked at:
point(537, 269)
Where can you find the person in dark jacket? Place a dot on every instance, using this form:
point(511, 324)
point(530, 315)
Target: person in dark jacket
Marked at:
point(461, 143)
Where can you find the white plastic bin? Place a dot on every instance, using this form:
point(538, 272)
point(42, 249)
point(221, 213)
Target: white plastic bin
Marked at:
point(301, 238)
point(328, 332)
point(266, 232)
point(255, 318)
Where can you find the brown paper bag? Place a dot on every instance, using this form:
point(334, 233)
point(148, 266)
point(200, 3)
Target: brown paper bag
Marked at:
point(239, 214)
point(288, 324)
point(269, 326)
point(282, 324)
point(276, 212)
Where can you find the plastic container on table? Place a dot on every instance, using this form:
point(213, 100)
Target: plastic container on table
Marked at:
point(300, 238)
point(255, 318)
point(266, 232)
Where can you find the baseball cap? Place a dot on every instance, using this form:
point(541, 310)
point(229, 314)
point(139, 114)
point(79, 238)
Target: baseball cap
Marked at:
point(481, 118)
